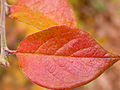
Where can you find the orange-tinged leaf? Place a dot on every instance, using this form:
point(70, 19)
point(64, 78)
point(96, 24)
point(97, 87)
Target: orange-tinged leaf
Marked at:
point(63, 57)
point(43, 13)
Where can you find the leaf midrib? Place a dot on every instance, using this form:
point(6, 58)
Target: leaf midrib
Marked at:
point(113, 57)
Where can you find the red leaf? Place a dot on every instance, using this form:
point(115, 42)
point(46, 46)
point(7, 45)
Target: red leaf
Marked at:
point(43, 13)
point(63, 57)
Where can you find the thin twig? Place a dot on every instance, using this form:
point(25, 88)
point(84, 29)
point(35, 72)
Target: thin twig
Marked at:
point(3, 36)
point(4, 49)
point(3, 59)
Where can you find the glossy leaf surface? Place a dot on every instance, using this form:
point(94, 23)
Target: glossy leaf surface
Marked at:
point(63, 57)
point(43, 13)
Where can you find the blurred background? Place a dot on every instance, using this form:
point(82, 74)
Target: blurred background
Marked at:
point(100, 18)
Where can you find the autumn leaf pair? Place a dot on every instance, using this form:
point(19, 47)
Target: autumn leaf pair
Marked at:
point(62, 56)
